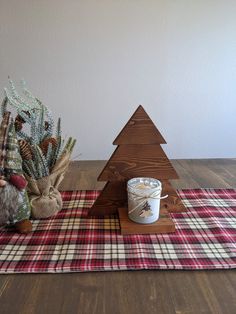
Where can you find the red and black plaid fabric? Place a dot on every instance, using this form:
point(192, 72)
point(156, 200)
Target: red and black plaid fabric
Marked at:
point(205, 238)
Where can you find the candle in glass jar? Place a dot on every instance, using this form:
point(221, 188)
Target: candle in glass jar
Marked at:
point(144, 196)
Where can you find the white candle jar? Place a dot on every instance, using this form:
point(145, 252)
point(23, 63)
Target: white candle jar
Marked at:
point(144, 195)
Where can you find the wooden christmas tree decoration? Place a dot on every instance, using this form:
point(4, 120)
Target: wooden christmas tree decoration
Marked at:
point(138, 154)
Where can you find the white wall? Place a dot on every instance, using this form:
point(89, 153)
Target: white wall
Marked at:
point(94, 61)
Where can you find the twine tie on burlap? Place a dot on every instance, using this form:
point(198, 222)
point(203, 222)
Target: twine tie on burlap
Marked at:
point(43, 194)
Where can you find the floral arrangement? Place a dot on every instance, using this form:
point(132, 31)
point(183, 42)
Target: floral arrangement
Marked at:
point(39, 147)
point(45, 154)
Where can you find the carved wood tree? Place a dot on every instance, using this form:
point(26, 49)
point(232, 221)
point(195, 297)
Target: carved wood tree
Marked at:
point(138, 154)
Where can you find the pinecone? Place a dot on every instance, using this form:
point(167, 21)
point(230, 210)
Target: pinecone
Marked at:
point(20, 119)
point(25, 150)
point(45, 143)
point(18, 125)
point(46, 125)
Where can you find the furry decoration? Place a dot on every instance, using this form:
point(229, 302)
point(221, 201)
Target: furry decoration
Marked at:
point(14, 204)
point(9, 197)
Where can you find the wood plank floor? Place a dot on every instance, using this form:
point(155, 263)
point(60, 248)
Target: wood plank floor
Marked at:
point(133, 292)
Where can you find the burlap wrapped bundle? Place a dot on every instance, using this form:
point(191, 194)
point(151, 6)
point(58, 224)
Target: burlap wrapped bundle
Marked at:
point(45, 199)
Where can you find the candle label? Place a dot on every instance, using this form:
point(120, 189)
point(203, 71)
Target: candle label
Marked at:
point(146, 211)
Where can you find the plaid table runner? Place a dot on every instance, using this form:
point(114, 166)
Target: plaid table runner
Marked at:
point(205, 238)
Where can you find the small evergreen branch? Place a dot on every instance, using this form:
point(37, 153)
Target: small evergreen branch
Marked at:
point(47, 134)
point(58, 131)
point(24, 116)
point(49, 154)
point(41, 124)
point(50, 122)
point(33, 100)
point(33, 132)
point(38, 163)
point(42, 160)
point(56, 151)
point(15, 95)
point(32, 166)
point(11, 100)
point(29, 169)
point(26, 170)
point(23, 135)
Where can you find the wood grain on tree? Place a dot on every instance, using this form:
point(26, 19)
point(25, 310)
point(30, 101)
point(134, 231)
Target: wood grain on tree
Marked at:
point(112, 196)
point(139, 130)
point(173, 202)
point(129, 161)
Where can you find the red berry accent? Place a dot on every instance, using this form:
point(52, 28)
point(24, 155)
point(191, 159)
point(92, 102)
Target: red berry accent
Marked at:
point(18, 181)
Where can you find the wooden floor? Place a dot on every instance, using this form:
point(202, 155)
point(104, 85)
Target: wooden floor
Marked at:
point(132, 292)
